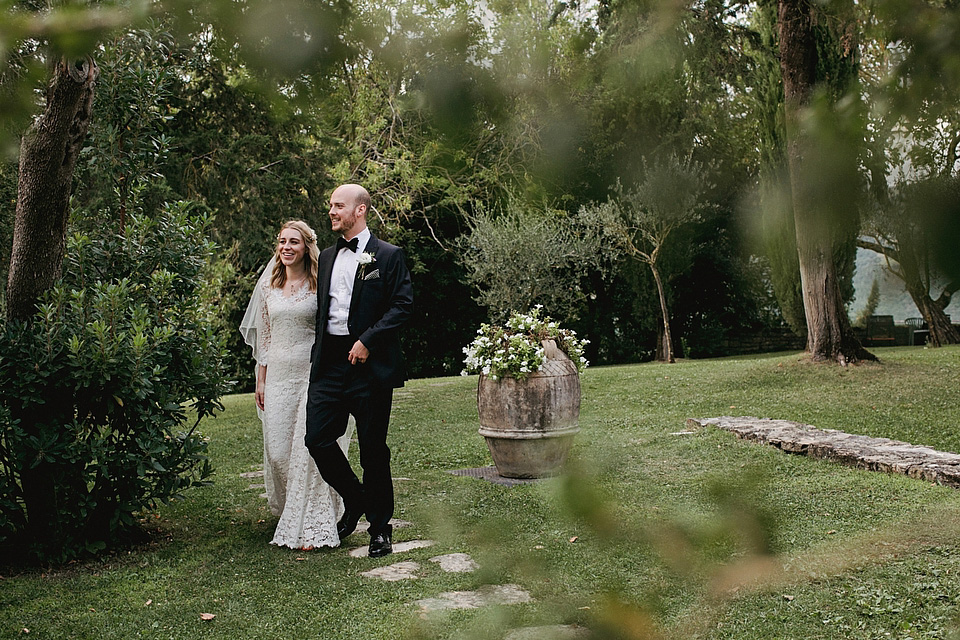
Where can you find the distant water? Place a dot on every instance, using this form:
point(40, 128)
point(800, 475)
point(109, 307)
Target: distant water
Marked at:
point(894, 300)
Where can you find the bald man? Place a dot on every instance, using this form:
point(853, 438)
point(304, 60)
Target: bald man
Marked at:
point(364, 296)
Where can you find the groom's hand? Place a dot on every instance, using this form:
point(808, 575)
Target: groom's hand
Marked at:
point(358, 354)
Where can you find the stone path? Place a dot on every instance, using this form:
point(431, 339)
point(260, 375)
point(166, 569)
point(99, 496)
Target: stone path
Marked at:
point(862, 452)
point(557, 632)
point(394, 572)
point(363, 526)
point(449, 563)
point(398, 547)
point(456, 563)
point(486, 595)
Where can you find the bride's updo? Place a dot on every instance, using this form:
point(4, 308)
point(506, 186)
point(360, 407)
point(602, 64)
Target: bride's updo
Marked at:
point(310, 256)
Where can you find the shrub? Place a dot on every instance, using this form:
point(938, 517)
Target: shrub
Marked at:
point(101, 386)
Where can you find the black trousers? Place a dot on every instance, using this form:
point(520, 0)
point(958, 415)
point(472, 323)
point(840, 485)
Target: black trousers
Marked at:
point(342, 390)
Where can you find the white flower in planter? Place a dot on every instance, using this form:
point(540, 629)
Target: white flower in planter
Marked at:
point(515, 349)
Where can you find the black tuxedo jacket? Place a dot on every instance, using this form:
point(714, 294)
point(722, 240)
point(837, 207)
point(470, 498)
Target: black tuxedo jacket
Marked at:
point(382, 301)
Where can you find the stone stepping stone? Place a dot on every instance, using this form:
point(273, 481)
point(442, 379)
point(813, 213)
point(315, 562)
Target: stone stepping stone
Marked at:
point(364, 526)
point(456, 563)
point(862, 452)
point(451, 563)
point(505, 594)
point(252, 474)
point(394, 572)
point(556, 632)
point(398, 547)
point(257, 486)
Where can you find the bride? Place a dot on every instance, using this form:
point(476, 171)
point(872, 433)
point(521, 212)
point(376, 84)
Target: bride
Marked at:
point(279, 325)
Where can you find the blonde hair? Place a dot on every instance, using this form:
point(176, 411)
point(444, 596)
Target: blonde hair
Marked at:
point(310, 256)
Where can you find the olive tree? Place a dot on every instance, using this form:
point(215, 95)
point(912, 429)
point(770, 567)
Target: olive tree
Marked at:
point(642, 220)
point(521, 255)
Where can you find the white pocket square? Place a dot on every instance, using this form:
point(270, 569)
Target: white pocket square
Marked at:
point(373, 275)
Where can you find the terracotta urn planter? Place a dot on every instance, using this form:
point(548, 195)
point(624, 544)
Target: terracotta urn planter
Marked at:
point(529, 424)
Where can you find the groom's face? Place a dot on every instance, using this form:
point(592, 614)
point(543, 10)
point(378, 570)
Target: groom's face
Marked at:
point(346, 216)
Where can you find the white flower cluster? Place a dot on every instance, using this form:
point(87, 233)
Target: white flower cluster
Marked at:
point(474, 361)
point(515, 350)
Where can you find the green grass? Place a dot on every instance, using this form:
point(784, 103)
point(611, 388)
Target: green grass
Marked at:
point(696, 536)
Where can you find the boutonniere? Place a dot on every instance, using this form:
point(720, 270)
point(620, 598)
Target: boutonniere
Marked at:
point(364, 260)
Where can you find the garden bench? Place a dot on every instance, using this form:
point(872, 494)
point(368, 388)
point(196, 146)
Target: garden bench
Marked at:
point(880, 331)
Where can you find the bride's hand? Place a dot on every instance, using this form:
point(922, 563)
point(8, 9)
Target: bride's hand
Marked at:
point(261, 382)
point(259, 396)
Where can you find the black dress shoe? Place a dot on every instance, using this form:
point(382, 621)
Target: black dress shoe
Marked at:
point(348, 523)
point(380, 546)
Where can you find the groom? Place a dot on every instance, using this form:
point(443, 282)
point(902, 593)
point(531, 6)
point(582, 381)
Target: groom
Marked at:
point(364, 295)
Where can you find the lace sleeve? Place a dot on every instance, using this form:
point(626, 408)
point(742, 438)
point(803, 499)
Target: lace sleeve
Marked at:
point(255, 326)
point(263, 335)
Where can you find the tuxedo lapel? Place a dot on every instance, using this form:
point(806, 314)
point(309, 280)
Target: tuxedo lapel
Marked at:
point(359, 283)
point(324, 272)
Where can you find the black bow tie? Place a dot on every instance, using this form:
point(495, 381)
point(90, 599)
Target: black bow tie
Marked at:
point(344, 244)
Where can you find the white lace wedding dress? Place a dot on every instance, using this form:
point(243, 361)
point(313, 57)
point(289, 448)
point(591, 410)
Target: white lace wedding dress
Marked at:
point(307, 506)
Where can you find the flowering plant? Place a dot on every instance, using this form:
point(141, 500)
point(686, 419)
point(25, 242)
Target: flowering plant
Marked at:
point(365, 258)
point(515, 349)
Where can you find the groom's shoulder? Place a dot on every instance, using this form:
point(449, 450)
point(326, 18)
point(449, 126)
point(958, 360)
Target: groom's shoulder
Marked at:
point(385, 248)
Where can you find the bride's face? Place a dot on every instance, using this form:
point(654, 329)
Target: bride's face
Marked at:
point(291, 247)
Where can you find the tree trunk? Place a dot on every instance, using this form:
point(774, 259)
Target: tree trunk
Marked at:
point(918, 277)
point(914, 270)
point(48, 155)
point(908, 259)
point(942, 332)
point(829, 335)
point(667, 354)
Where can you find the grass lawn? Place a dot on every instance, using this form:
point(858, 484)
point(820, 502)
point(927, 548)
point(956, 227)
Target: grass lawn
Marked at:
point(650, 534)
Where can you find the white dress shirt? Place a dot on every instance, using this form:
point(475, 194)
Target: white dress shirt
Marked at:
point(341, 285)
